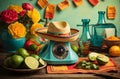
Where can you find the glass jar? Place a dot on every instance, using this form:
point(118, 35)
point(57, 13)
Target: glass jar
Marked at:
point(84, 41)
point(98, 30)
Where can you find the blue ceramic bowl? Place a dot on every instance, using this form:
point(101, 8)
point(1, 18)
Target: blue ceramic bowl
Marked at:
point(11, 44)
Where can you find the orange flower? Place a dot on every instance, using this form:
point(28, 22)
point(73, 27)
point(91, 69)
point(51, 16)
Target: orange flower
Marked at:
point(17, 30)
point(16, 8)
point(34, 27)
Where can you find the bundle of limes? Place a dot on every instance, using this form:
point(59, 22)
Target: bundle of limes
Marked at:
point(22, 59)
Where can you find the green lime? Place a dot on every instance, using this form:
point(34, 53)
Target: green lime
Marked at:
point(102, 59)
point(35, 56)
point(31, 62)
point(92, 56)
point(17, 61)
point(23, 52)
point(33, 47)
point(7, 62)
point(75, 48)
point(41, 62)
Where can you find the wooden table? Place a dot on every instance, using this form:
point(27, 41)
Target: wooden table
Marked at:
point(4, 74)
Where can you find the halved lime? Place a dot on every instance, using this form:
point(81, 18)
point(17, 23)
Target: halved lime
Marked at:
point(92, 56)
point(31, 62)
point(102, 59)
point(41, 62)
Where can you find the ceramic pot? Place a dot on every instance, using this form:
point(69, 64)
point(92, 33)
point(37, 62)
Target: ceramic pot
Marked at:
point(10, 44)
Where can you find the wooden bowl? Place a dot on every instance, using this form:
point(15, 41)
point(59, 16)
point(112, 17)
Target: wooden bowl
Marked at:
point(110, 43)
point(24, 70)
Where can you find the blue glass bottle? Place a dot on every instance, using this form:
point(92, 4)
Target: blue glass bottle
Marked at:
point(84, 41)
point(98, 31)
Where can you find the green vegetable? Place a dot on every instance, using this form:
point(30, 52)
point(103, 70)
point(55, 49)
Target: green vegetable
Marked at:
point(87, 65)
point(84, 61)
point(32, 47)
point(94, 66)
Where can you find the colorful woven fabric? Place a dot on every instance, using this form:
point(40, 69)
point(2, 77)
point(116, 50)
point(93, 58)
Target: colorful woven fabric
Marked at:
point(110, 66)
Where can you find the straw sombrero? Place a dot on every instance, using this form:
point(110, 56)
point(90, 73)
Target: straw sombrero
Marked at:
point(58, 31)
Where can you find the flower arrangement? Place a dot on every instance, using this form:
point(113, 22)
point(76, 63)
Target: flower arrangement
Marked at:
point(17, 20)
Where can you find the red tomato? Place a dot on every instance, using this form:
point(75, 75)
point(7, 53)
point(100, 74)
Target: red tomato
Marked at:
point(28, 43)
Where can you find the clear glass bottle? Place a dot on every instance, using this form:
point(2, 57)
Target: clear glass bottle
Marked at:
point(98, 31)
point(84, 41)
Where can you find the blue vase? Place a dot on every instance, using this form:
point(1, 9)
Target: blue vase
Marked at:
point(10, 44)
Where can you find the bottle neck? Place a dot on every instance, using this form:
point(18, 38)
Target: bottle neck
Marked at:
point(101, 17)
point(85, 33)
point(85, 25)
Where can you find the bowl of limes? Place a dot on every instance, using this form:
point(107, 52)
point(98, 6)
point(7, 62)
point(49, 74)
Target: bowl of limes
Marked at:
point(22, 61)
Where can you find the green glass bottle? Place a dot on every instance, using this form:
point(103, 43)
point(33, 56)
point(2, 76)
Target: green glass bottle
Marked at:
point(84, 41)
point(98, 31)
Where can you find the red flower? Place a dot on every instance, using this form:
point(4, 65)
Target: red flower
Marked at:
point(23, 13)
point(27, 6)
point(8, 16)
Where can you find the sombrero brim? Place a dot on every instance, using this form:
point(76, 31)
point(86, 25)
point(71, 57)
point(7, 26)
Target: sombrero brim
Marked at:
point(42, 32)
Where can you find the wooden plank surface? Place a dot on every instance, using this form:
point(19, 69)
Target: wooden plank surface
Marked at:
point(43, 75)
